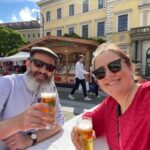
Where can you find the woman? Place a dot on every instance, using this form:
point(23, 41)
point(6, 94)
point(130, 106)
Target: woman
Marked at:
point(124, 116)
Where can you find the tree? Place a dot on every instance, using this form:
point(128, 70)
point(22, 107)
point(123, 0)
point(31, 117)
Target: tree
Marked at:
point(10, 41)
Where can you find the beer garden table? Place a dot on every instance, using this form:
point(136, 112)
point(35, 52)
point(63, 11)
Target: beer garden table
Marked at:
point(62, 140)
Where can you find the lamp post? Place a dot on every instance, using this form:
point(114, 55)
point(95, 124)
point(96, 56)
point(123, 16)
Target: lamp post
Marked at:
point(42, 26)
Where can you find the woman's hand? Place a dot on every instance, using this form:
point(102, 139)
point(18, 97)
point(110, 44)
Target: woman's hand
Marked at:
point(76, 139)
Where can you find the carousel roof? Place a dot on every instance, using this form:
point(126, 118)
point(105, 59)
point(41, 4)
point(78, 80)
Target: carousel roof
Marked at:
point(59, 41)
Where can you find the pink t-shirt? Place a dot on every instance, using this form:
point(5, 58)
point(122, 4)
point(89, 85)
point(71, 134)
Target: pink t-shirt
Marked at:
point(133, 126)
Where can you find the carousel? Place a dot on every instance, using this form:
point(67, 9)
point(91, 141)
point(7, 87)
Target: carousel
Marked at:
point(68, 50)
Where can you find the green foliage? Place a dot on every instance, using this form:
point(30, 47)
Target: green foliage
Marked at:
point(74, 35)
point(12, 52)
point(10, 40)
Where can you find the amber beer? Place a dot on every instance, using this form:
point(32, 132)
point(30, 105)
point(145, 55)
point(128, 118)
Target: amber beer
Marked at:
point(50, 99)
point(85, 130)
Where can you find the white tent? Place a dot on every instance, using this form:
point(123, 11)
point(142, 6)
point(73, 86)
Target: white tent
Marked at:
point(17, 57)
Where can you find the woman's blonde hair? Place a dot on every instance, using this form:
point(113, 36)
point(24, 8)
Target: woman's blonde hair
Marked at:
point(113, 48)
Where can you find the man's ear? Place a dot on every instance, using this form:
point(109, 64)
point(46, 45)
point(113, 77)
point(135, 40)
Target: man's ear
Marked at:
point(28, 62)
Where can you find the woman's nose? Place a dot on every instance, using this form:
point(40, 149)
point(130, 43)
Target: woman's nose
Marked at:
point(108, 73)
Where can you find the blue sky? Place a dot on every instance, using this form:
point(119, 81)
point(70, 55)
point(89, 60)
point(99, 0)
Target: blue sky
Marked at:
point(18, 10)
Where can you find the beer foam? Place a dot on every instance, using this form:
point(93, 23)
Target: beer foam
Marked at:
point(47, 95)
point(84, 125)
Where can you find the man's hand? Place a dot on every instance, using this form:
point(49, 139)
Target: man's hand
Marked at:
point(34, 117)
point(18, 141)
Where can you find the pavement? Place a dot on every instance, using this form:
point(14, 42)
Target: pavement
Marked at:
point(77, 106)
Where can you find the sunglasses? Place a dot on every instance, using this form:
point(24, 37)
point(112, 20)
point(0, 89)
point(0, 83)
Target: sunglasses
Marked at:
point(39, 64)
point(114, 67)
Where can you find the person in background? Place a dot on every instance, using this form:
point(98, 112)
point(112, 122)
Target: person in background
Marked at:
point(124, 115)
point(22, 69)
point(80, 73)
point(139, 79)
point(22, 123)
point(93, 85)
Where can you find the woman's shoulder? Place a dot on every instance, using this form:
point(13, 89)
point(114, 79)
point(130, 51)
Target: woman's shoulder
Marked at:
point(109, 102)
point(144, 88)
point(145, 85)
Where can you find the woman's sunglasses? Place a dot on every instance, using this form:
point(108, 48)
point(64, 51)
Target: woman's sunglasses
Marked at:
point(39, 64)
point(114, 67)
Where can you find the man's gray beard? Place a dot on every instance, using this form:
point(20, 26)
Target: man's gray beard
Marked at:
point(34, 86)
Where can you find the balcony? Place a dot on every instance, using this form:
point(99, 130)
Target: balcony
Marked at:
point(140, 33)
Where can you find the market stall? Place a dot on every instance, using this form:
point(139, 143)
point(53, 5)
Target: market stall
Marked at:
point(68, 50)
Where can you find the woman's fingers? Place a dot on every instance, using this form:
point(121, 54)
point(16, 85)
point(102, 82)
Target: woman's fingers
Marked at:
point(76, 138)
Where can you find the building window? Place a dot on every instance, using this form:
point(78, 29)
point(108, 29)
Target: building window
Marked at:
point(85, 31)
point(100, 4)
point(59, 13)
point(122, 23)
point(24, 35)
point(28, 35)
point(71, 30)
point(48, 16)
point(33, 35)
point(48, 33)
point(38, 34)
point(71, 10)
point(59, 32)
point(85, 6)
point(100, 28)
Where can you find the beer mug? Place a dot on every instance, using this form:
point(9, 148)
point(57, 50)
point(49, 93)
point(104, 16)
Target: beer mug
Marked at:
point(85, 131)
point(50, 99)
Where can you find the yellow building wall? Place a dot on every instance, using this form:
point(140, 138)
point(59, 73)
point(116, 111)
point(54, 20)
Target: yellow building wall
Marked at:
point(25, 33)
point(76, 21)
point(129, 7)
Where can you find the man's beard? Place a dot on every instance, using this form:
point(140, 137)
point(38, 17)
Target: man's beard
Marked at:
point(36, 85)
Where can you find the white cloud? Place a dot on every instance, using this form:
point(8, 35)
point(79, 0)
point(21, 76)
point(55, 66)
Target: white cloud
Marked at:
point(14, 18)
point(26, 14)
point(1, 21)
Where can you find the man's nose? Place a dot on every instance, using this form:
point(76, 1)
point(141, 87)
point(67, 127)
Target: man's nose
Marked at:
point(43, 69)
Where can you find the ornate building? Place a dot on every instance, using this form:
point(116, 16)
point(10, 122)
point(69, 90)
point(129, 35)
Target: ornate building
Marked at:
point(30, 30)
point(125, 22)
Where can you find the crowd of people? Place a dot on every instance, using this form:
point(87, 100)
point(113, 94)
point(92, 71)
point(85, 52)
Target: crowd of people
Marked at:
point(123, 116)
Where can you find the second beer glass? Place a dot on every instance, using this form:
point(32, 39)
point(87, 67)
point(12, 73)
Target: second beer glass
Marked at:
point(85, 130)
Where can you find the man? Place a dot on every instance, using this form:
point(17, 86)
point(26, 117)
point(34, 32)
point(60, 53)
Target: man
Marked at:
point(22, 123)
point(80, 73)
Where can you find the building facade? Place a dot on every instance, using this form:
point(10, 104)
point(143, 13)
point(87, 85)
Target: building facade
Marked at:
point(30, 30)
point(112, 20)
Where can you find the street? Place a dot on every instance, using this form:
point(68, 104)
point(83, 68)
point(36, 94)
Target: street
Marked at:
point(75, 107)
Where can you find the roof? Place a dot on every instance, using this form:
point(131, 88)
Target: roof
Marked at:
point(22, 25)
point(16, 57)
point(50, 39)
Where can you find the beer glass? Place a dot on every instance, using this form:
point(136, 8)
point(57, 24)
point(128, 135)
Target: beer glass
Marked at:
point(85, 131)
point(50, 99)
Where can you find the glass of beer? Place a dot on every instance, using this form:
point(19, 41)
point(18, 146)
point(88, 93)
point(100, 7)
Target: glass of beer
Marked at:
point(85, 131)
point(50, 99)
